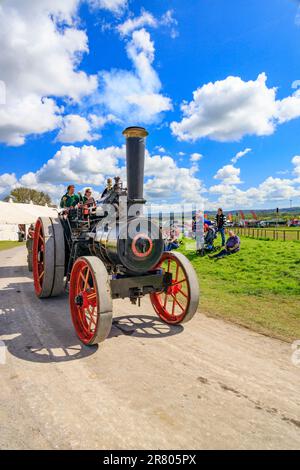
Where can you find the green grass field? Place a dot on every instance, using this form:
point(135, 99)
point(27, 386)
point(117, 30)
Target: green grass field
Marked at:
point(5, 245)
point(259, 287)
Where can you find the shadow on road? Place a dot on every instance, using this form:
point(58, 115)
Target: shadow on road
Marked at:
point(36, 330)
point(42, 331)
point(143, 326)
point(11, 271)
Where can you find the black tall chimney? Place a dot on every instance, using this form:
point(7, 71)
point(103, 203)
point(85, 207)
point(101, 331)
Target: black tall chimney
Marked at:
point(135, 162)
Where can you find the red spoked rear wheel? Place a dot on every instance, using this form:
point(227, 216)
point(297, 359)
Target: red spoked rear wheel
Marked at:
point(90, 300)
point(38, 257)
point(179, 303)
point(48, 257)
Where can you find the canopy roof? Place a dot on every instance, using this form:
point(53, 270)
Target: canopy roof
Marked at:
point(15, 213)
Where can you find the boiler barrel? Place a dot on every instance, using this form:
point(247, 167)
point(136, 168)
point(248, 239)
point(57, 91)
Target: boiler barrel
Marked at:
point(135, 162)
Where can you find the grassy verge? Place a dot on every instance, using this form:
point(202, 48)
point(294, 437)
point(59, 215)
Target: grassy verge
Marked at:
point(258, 288)
point(5, 245)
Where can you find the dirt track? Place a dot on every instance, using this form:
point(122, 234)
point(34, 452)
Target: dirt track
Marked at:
point(209, 385)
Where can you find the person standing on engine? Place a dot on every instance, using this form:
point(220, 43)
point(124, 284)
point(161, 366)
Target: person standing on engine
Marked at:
point(70, 200)
point(220, 221)
point(108, 188)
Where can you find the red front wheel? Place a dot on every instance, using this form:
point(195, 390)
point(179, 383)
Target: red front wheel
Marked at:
point(90, 300)
point(179, 303)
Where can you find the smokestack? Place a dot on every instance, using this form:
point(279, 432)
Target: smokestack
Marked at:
point(135, 162)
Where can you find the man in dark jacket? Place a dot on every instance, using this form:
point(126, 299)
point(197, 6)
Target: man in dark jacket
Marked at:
point(220, 221)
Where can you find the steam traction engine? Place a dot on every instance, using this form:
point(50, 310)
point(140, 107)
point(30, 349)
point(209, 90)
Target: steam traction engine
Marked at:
point(109, 252)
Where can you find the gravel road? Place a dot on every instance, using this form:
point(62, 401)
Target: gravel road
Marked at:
point(209, 385)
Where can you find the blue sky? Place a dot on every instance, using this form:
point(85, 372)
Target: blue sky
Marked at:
point(209, 79)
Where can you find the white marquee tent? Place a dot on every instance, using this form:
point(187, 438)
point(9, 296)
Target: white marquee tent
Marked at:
point(12, 214)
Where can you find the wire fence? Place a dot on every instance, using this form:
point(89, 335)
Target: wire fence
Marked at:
point(269, 234)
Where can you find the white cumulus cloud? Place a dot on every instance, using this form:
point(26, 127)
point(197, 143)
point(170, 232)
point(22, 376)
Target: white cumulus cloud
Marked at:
point(229, 109)
point(7, 181)
point(148, 19)
point(135, 95)
point(272, 190)
point(166, 181)
point(27, 115)
point(229, 175)
point(115, 6)
point(296, 163)
point(90, 166)
point(75, 128)
point(160, 149)
point(288, 108)
point(240, 155)
point(82, 165)
point(131, 24)
point(41, 48)
point(196, 157)
point(2, 92)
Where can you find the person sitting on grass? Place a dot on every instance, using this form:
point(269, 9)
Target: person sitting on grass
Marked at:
point(232, 246)
point(209, 237)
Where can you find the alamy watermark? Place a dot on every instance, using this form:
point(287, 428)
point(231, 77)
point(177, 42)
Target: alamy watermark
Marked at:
point(129, 220)
point(295, 358)
point(2, 92)
point(2, 353)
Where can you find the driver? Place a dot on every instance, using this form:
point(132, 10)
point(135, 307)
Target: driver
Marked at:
point(108, 188)
point(70, 200)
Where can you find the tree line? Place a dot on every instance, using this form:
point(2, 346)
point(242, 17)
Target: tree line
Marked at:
point(27, 195)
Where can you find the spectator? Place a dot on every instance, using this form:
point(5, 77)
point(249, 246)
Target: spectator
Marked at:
point(209, 237)
point(220, 221)
point(232, 246)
